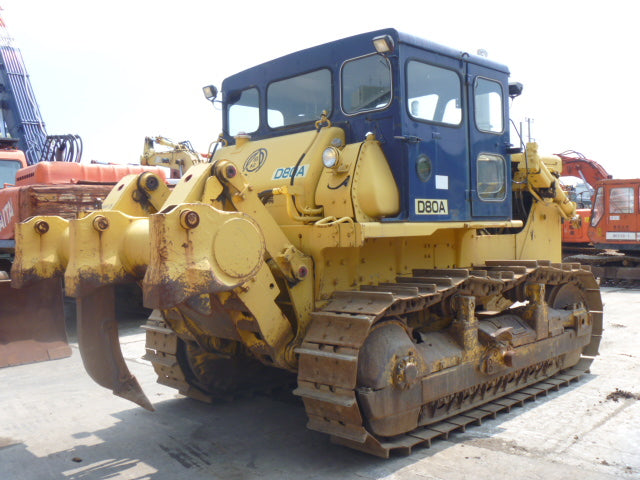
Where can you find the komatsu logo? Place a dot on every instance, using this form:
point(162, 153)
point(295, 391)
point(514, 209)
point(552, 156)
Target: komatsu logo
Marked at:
point(288, 172)
point(255, 161)
point(6, 215)
point(429, 206)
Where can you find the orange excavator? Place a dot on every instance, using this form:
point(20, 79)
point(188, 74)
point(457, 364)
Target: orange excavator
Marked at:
point(607, 236)
point(575, 237)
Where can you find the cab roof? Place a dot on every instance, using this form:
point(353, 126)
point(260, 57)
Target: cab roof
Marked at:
point(333, 54)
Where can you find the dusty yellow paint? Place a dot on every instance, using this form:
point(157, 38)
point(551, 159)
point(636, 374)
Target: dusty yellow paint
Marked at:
point(137, 195)
point(272, 234)
point(42, 247)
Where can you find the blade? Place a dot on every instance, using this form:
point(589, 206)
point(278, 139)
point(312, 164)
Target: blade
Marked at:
point(32, 325)
point(100, 347)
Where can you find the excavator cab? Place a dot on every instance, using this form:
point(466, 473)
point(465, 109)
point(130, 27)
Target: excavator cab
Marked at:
point(11, 161)
point(615, 221)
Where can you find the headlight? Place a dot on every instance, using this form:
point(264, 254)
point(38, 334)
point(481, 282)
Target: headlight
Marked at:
point(330, 157)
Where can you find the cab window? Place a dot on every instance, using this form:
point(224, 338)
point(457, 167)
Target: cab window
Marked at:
point(598, 207)
point(488, 105)
point(433, 94)
point(299, 99)
point(621, 200)
point(492, 177)
point(366, 84)
point(8, 169)
point(244, 111)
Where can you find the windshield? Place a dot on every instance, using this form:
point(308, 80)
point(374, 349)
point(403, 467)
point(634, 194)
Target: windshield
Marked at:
point(8, 169)
point(598, 207)
point(299, 99)
point(292, 101)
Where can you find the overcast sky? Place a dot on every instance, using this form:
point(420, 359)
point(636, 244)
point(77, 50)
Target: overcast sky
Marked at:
point(117, 71)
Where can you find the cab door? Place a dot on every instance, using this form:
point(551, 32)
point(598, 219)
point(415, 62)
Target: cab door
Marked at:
point(490, 172)
point(620, 220)
point(435, 135)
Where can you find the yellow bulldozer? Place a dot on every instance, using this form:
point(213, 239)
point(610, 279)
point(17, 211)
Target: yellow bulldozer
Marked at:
point(363, 227)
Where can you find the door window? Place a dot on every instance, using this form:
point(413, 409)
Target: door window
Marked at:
point(489, 106)
point(433, 94)
point(492, 177)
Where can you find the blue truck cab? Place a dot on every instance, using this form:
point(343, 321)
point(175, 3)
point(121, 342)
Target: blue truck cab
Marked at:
point(441, 116)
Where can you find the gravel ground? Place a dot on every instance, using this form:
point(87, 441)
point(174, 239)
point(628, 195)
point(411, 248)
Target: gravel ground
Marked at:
point(55, 423)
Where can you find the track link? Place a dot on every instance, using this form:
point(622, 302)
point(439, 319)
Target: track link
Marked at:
point(162, 351)
point(424, 436)
point(328, 367)
point(227, 378)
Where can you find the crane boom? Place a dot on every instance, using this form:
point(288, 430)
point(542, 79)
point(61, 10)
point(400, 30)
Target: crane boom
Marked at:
point(19, 112)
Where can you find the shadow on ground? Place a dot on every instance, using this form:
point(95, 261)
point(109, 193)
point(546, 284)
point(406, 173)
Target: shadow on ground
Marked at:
point(259, 437)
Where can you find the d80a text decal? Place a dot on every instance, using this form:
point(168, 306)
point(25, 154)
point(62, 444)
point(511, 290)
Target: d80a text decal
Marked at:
point(431, 206)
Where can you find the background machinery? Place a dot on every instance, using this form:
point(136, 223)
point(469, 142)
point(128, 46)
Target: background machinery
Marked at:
point(575, 238)
point(176, 157)
point(607, 237)
point(39, 175)
point(364, 227)
point(31, 321)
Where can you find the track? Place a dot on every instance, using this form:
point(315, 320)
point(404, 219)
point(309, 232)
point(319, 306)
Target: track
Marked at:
point(328, 377)
point(162, 352)
point(204, 376)
point(614, 269)
point(332, 351)
point(424, 436)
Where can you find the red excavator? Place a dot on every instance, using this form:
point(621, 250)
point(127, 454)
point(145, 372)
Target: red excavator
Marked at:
point(575, 237)
point(607, 236)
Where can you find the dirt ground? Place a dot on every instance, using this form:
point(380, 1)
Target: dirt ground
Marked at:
point(55, 423)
